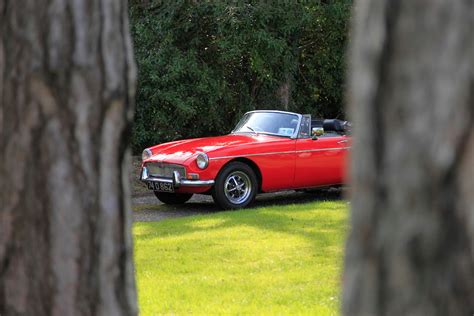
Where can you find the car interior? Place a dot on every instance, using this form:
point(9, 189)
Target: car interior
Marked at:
point(331, 127)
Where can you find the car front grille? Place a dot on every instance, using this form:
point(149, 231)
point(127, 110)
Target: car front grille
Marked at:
point(164, 170)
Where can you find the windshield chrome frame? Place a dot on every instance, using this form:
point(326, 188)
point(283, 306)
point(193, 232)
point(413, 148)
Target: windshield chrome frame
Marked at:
point(295, 133)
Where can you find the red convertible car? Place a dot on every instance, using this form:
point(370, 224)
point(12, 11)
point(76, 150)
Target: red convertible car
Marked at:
point(267, 151)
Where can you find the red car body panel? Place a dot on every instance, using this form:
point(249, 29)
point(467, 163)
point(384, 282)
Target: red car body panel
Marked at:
point(320, 162)
point(283, 162)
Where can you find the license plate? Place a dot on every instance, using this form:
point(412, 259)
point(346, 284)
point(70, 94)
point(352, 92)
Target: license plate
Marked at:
point(160, 186)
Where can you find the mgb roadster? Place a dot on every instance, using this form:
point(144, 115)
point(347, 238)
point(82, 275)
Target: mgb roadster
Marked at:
point(267, 151)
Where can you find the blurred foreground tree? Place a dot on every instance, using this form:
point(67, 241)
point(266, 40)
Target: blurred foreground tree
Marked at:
point(411, 247)
point(67, 80)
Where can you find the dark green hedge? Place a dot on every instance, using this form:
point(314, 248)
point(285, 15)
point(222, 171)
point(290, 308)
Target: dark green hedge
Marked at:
point(202, 64)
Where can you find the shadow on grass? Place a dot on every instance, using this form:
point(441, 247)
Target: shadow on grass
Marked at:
point(298, 197)
point(206, 205)
point(280, 215)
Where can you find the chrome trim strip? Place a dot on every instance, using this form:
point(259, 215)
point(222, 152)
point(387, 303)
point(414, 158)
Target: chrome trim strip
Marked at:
point(197, 183)
point(272, 111)
point(253, 155)
point(177, 181)
point(298, 127)
point(327, 149)
point(281, 153)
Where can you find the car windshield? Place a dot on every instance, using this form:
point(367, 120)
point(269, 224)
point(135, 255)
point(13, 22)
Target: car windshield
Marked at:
point(273, 123)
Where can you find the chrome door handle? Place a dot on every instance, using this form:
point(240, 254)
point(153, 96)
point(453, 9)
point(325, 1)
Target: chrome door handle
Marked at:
point(342, 141)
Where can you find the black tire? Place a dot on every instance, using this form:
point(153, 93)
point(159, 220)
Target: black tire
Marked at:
point(236, 186)
point(173, 198)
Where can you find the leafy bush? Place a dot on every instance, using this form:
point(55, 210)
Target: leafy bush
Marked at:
point(202, 64)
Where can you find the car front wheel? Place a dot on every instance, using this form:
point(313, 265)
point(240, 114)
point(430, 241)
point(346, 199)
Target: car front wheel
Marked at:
point(235, 187)
point(173, 198)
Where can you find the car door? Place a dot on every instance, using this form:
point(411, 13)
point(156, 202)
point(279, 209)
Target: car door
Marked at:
point(276, 161)
point(320, 161)
point(345, 143)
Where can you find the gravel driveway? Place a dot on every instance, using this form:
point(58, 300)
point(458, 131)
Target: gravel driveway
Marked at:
point(147, 208)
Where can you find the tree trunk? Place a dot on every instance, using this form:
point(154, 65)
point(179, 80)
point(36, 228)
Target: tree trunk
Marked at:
point(411, 247)
point(67, 80)
point(283, 92)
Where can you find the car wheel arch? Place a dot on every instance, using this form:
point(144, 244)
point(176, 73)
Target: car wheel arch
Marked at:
point(252, 165)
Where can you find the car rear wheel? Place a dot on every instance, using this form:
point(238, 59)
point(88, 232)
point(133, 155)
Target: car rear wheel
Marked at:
point(235, 187)
point(173, 198)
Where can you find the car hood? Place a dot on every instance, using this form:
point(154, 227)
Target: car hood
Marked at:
point(180, 151)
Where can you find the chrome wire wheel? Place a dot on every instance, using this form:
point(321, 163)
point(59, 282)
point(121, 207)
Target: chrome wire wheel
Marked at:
point(237, 187)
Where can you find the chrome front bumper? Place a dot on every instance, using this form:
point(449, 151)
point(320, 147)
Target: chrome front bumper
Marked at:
point(177, 181)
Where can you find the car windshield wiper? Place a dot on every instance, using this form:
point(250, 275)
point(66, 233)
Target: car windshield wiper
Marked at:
point(250, 128)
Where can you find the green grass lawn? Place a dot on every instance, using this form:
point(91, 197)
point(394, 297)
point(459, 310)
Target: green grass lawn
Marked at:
point(273, 260)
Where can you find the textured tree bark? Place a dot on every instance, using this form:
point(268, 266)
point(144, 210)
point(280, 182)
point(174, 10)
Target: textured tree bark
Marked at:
point(67, 82)
point(411, 247)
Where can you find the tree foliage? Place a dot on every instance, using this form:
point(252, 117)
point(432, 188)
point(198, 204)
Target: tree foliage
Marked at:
point(202, 64)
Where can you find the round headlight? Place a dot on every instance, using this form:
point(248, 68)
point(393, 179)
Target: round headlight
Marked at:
point(146, 154)
point(202, 161)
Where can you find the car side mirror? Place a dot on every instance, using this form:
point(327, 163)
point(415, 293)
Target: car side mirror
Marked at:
point(316, 132)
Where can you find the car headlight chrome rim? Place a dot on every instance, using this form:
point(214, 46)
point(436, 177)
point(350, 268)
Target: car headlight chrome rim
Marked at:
point(202, 161)
point(146, 154)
